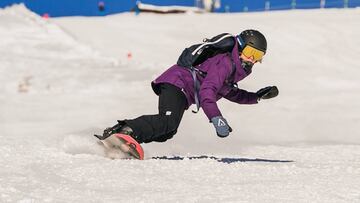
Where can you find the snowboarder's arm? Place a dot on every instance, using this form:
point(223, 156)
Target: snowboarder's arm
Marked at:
point(241, 96)
point(244, 97)
point(210, 87)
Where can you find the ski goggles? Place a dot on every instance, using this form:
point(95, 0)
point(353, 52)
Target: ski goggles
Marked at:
point(251, 52)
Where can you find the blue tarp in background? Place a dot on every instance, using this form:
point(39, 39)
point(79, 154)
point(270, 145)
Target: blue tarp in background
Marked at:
point(57, 8)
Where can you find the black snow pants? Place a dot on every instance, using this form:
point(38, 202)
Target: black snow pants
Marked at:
point(164, 125)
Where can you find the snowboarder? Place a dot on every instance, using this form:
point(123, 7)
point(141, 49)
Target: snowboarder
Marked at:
point(203, 74)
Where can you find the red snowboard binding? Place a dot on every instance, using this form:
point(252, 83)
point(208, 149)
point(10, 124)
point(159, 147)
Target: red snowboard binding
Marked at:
point(112, 139)
point(126, 144)
point(133, 147)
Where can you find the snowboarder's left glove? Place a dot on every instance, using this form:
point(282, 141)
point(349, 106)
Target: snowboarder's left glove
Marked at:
point(267, 92)
point(221, 126)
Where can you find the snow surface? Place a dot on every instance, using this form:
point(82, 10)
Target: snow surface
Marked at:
point(64, 79)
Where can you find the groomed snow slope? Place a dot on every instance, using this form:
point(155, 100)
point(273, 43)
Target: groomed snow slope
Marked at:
point(61, 80)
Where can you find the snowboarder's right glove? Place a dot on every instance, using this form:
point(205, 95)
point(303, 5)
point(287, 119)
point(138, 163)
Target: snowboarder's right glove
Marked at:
point(267, 92)
point(221, 126)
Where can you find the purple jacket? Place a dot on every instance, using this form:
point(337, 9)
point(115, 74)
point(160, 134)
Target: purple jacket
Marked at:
point(213, 86)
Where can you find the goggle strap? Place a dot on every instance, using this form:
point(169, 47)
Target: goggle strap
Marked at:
point(240, 41)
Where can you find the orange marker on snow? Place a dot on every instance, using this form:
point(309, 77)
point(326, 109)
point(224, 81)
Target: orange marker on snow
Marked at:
point(46, 16)
point(129, 55)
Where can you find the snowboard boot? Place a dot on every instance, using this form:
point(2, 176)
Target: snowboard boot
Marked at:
point(121, 127)
point(126, 130)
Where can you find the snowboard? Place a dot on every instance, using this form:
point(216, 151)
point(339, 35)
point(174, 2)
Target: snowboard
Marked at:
point(123, 143)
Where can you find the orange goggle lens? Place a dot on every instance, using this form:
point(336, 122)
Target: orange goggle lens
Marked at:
point(252, 52)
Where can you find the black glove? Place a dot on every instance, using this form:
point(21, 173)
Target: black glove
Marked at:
point(267, 92)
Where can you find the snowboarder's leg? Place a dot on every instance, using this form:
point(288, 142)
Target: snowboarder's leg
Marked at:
point(162, 126)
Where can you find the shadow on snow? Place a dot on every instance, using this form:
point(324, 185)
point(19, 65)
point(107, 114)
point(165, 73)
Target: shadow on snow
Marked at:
point(222, 160)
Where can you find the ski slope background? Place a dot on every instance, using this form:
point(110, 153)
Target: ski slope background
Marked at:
point(64, 79)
